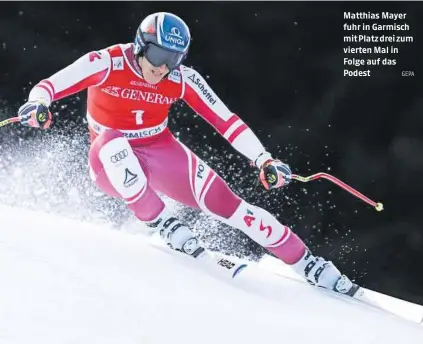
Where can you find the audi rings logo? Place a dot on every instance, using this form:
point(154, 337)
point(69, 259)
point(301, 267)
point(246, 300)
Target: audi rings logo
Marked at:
point(119, 156)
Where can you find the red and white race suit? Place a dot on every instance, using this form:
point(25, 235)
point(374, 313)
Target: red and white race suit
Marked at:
point(133, 154)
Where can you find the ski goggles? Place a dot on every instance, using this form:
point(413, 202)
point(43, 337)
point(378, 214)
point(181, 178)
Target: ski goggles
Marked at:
point(158, 56)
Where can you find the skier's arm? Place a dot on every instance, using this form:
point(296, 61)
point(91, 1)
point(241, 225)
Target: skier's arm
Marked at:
point(89, 70)
point(201, 98)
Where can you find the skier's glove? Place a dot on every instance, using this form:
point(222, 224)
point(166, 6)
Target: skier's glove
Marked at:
point(35, 114)
point(273, 173)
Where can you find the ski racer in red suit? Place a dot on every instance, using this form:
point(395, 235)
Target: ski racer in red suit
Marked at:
point(133, 155)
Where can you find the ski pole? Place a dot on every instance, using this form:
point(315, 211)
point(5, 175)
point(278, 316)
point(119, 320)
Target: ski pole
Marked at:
point(9, 120)
point(377, 206)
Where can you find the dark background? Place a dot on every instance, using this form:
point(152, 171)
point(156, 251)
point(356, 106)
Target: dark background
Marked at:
point(279, 65)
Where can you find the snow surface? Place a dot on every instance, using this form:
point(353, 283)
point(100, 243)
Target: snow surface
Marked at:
point(63, 281)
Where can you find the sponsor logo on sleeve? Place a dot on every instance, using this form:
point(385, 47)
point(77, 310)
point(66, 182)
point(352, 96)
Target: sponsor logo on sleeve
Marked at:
point(94, 55)
point(203, 88)
point(200, 171)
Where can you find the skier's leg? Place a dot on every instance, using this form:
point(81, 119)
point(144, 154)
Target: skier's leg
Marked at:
point(117, 170)
point(192, 181)
point(266, 230)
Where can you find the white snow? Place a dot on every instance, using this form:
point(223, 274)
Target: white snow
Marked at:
point(63, 282)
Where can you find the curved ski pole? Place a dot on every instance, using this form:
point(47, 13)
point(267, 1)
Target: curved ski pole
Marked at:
point(377, 206)
point(8, 121)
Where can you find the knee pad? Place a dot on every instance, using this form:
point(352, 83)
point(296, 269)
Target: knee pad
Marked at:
point(122, 168)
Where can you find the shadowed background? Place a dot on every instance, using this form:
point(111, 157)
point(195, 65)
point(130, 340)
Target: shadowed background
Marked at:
point(280, 67)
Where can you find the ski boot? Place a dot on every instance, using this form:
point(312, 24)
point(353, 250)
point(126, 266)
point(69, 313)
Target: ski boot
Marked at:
point(176, 235)
point(180, 238)
point(321, 273)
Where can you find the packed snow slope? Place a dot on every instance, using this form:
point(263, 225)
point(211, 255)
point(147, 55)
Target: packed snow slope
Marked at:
point(63, 281)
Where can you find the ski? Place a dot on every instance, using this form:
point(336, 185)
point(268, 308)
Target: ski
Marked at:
point(397, 307)
point(213, 263)
point(221, 266)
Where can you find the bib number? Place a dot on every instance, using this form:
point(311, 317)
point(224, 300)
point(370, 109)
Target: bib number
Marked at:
point(138, 116)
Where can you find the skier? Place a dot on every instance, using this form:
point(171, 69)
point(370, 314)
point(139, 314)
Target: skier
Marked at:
point(133, 155)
